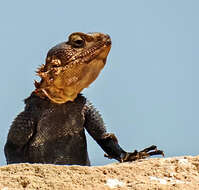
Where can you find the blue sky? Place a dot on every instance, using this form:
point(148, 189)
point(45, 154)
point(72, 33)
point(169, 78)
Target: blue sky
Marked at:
point(147, 93)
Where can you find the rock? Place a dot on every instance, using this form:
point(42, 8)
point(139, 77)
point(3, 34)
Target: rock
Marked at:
point(158, 173)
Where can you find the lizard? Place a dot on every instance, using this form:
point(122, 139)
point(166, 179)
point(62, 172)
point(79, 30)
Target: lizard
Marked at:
point(51, 128)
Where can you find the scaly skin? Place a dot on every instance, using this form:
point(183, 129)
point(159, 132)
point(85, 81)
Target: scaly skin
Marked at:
point(51, 129)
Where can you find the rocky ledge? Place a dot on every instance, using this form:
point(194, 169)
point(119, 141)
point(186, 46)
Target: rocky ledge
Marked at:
point(158, 173)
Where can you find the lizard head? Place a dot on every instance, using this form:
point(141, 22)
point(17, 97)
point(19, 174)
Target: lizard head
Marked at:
point(72, 66)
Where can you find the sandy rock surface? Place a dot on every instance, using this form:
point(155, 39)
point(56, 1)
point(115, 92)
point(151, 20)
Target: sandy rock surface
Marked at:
point(159, 174)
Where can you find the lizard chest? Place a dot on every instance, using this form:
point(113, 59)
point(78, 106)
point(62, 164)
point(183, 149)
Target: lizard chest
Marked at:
point(57, 122)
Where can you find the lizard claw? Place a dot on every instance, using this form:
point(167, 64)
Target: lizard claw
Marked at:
point(147, 152)
point(107, 156)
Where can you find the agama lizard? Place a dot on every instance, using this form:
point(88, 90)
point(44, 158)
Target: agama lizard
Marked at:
point(51, 129)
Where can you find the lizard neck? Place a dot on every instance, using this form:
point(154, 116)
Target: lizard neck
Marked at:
point(55, 95)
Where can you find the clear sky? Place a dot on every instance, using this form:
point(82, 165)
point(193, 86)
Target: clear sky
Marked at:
point(147, 93)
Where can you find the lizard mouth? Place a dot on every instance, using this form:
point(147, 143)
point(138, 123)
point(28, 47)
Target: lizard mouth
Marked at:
point(68, 70)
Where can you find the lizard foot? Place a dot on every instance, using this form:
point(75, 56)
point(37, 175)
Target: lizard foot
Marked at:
point(147, 152)
point(132, 156)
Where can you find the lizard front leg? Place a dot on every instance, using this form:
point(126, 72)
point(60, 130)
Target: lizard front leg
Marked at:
point(21, 131)
point(108, 141)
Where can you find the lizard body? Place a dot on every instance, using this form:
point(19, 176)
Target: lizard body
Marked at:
point(51, 129)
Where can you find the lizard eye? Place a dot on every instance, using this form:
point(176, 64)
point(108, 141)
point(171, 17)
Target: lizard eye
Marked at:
point(78, 43)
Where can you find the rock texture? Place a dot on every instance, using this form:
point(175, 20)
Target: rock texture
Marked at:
point(158, 173)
